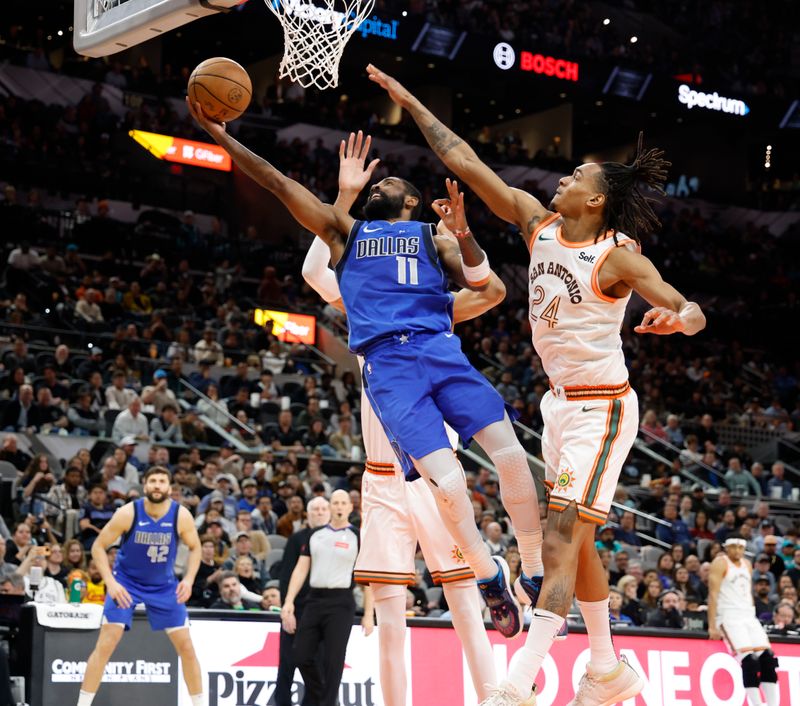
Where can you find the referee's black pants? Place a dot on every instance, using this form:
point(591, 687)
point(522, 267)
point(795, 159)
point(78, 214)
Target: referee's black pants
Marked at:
point(328, 618)
point(286, 665)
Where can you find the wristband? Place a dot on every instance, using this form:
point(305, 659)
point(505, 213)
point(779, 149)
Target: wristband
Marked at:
point(479, 275)
point(463, 233)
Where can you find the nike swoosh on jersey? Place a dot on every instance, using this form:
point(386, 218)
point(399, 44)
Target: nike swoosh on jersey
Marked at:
point(142, 524)
point(588, 409)
point(541, 237)
point(373, 230)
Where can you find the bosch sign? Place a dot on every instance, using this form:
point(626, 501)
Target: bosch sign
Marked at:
point(711, 101)
point(505, 58)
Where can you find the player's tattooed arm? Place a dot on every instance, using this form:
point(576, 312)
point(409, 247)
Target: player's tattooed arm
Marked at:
point(512, 205)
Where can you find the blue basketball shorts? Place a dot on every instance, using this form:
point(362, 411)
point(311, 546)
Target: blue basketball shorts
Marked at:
point(416, 382)
point(163, 609)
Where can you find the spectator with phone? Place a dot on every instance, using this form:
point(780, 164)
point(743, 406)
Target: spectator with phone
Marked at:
point(38, 586)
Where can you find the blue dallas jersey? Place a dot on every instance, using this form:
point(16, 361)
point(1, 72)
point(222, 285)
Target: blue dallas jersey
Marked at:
point(392, 282)
point(147, 554)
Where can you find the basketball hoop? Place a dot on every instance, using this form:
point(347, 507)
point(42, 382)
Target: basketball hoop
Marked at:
point(315, 35)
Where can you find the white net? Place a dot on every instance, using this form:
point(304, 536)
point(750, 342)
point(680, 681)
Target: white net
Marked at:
point(315, 36)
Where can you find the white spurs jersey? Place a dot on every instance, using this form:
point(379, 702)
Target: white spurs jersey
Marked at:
point(576, 328)
point(736, 591)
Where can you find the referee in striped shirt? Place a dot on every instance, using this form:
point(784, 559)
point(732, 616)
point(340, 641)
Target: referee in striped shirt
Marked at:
point(330, 555)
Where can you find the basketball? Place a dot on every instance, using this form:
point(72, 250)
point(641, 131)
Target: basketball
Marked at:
point(222, 87)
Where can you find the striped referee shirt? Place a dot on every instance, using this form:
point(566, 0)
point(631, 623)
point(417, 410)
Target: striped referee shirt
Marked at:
point(333, 556)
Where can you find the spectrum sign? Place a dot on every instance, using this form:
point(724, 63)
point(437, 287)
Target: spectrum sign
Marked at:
point(176, 149)
point(288, 327)
point(711, 101)
point(506, 58)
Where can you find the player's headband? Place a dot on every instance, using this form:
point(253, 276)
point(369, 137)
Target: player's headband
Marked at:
point(735, 542)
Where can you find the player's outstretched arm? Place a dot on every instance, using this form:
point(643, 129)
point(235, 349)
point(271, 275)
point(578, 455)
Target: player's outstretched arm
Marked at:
point(510, 204)
point(671, 312)
point(331, 224)
point(188, 534)
point(119, 523)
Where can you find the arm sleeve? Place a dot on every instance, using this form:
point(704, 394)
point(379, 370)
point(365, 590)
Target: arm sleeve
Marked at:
point(316, 272)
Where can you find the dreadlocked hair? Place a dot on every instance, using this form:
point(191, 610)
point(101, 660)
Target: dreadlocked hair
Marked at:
point(628, 209)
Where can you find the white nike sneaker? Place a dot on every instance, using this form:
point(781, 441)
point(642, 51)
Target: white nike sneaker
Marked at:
point(619, 684)
point(507, 695)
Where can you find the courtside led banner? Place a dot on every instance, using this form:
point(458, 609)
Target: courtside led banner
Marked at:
point(290, 328)
point(176, 149)
point(676, 671)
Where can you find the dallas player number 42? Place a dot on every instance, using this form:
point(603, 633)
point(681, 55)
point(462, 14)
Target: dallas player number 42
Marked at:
point(156, 554)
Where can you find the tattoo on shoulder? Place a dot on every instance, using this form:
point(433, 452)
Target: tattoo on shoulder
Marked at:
point(532, 223)
point(440, 138)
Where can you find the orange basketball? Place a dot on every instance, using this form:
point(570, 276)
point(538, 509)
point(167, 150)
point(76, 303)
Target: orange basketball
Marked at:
point(222, 87)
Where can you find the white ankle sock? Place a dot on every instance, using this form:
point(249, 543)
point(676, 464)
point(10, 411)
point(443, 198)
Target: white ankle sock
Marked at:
point(595, 614)
point(197, 699)
point(525, 664)
point(530, 551)
point(85, 698)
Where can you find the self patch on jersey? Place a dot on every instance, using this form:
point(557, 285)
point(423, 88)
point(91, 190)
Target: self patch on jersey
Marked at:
point(342, 545)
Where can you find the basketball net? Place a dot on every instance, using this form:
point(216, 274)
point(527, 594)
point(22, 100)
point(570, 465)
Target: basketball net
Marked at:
point(314, 37)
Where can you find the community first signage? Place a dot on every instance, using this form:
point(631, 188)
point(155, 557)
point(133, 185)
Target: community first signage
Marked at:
point(711, 101)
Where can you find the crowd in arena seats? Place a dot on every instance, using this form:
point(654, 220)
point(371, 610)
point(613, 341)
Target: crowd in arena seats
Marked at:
point(155, 314)
point(676, 36)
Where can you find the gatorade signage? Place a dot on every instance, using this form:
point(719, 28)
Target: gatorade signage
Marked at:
point(711, 101)
point(287, 327)
point(506, 58)
point(176, 149)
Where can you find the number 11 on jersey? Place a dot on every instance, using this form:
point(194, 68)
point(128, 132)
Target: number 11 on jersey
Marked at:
point(410, 277)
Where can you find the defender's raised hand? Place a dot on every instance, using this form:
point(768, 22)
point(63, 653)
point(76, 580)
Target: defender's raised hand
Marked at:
point(452, 210)
point(353, 175)
point(396, 90)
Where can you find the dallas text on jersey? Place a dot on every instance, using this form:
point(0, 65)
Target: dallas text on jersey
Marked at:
point(387, 245)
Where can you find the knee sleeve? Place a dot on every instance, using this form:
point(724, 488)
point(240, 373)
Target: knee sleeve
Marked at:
point(451, 490)
point(516, 479)
point(768, 663)
point(750, 668)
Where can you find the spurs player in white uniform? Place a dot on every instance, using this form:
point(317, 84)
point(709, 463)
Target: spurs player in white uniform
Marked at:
point(732, 618)
point(396, 514)
point(584, 265)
